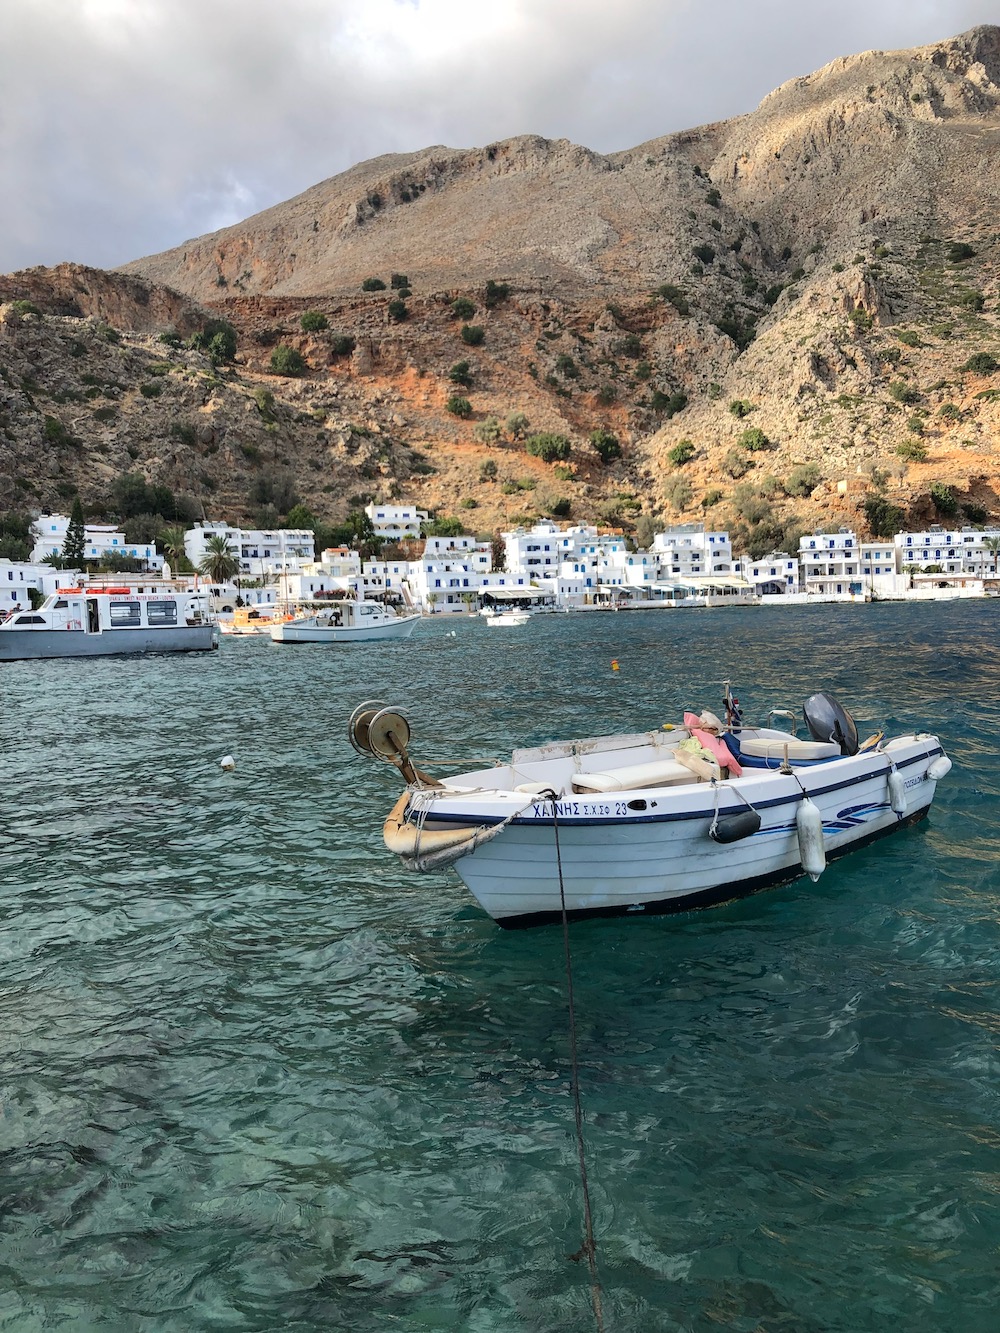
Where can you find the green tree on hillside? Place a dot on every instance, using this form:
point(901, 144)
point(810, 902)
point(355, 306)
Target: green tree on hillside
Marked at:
point(72, 551)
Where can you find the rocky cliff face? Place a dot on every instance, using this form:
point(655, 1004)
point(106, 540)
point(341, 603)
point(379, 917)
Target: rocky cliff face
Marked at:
point(775, 317)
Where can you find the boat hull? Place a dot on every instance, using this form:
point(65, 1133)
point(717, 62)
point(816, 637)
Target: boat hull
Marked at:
point(649, 851)
point(32, 644)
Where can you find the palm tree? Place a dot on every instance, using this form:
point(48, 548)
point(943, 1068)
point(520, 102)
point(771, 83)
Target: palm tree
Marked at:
point(992, 545)
point(219, 563)
point(172, 542)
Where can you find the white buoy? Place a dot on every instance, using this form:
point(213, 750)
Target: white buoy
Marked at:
point(939, 768)
point(809, 827)
point(897, 792)
point(227, 763)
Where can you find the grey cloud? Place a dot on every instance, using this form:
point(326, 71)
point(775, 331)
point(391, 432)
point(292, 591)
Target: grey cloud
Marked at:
point(128, 126)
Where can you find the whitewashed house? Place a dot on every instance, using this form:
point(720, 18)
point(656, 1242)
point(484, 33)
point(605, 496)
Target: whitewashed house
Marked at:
point(956, 551)
point(449, 574)
point(396, 523)
point(880, 571)
point(262, 552)
point(772, 575)
point(99, 540)
point(830, 564)
point(17, 576)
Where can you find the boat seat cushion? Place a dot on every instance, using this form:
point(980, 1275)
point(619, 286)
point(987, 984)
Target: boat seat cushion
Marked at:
point(662, 773)
point(766, 747)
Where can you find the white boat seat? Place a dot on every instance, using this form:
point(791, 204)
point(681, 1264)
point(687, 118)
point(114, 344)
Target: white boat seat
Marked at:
point(766, 747)
point(533, 788)
point(663, 773)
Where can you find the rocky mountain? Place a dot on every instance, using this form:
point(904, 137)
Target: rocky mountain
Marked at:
point(781, 320)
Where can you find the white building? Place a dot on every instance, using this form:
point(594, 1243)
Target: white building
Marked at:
point(689, 551)
point(776, 574)
point(831, 564)
point(956, 551)
point(450, 573)
point(880, 569)
point(396, 523)
point(260, 551)
point(17, 576)
point(99, 541)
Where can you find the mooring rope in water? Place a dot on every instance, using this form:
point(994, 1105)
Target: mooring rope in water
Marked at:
point(589, 1247)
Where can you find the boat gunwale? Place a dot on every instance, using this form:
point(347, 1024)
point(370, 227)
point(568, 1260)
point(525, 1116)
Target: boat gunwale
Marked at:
point(428, 814)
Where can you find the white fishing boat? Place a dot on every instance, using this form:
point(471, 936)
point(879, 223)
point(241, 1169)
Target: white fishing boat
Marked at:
point(105, 622)
point(345, 621)
point(654, 822)
point(508, 618)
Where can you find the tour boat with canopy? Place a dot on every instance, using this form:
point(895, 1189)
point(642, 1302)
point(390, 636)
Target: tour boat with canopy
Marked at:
point(654, 822)
point(105, 622)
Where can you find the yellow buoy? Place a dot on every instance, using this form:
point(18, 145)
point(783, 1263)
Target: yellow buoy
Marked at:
point(614, 664)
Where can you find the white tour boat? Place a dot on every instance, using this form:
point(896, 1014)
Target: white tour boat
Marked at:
point(104, 622)
point(655, 822)
point(345, 622)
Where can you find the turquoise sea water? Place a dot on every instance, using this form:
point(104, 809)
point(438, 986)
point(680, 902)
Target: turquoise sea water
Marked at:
point(255, 1076)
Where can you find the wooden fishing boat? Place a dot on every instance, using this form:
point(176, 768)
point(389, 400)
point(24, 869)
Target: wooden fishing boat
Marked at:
point(654, 822)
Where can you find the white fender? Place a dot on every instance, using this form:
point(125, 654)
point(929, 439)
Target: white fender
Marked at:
point(897, 792)
point(939, 768)
point(809, 827)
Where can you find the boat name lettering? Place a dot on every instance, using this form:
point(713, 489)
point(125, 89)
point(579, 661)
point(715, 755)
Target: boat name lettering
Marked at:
point(564, 808)
point(913, 782)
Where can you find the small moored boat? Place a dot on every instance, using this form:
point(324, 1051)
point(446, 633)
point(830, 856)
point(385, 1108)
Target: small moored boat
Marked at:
point(105, 622)
point(655, 822)
point(508, 618)
point(252, 622)
point(345, 622)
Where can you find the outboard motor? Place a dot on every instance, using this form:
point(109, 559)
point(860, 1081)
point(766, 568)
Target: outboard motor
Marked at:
point(828, 721)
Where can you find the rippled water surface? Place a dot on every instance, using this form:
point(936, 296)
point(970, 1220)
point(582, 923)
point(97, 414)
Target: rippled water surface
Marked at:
point(255, 1076)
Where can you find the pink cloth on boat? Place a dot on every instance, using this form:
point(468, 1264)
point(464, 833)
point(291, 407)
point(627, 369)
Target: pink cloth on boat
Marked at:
point(714, 744)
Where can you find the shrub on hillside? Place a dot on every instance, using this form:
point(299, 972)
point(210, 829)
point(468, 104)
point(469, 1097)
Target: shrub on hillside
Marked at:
point(736, 463)
point(459, 407)
point(883, 518)
point(463, 308)
point(913, 451)
point(981, 363)
point(313, 321)
point(754, 439)
point(473, 334)
point(682, 453)
point(548, 447)
point(944, 497)
point(606, 444)
point(373, 285)
point(495, 293)
point(803, 479)
point(461, 373)
point(287, 361)
point(677, 492)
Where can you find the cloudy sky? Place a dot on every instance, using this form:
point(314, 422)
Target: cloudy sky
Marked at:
point(128, 126)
